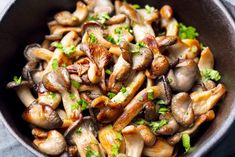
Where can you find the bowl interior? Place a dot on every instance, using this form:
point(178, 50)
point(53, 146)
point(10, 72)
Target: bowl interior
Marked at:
point(26, 23)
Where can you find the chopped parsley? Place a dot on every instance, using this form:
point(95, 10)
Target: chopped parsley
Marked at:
point(163, 110)
point(52, 95)
point(111, 95)
point(102, 18)
point(72, 96)
point(150, 94)
point(187, 32)
point(78, 130)
point(210, 74)
point(91, 153)
point(136, 6)
point(186, 142)
point(83, 104)
point(76, 84)
point(115, 149)
point(137, 47)
point(161, 102)
point(67, 50)
point(92, 39)
point(149, 9)
point(55, 64)
point(111, 39)
point(75, 106)
point(140, 121)
point(108, 71)
point(17, 80)
point(140, 98)
point(155, 126)
point(119, 136)
point(120, 29)
point(123, 89)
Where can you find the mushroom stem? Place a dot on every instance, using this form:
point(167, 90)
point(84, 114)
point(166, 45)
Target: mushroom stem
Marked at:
point(25, 95)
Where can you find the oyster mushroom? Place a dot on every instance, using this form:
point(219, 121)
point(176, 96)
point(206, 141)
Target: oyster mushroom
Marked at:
point(82, 134)
point(110, 139)
point(150, 113)
point(206, 60)
point(134, 141)
point(109, 111)
point(160, 149)
point(93, 30)
point(183, 77)
point(171, 127)
point(49, 119)
point(116, 19)
point(205, 100)
point(59, 81)
point(181, 106)
point(100, 6)
point(147, 135)
point(94, 91)
point(50, 143)
point(137, 103)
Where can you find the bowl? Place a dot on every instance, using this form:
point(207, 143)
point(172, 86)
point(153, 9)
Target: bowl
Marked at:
point(26, 22)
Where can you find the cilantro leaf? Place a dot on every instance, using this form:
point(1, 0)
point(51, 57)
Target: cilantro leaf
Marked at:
point(186, 142)
point(187, 32)
point(210, 74)
point(17, 80)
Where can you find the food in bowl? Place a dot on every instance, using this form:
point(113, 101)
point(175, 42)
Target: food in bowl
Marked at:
point(117, 80)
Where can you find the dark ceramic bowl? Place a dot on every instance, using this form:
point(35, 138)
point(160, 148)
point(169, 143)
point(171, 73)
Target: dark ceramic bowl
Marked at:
point(25, 23)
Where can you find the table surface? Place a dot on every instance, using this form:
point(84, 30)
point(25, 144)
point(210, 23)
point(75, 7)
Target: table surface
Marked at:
point(13, 148)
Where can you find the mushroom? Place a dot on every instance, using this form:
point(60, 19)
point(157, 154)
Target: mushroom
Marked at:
point(183, 76)
point(206, 60)
point(59, 81)
point(93, 30)
point(81, 11)
point(171, 127)
point(121, 69)
point(108, 111)
point(50, 143)
point(147, 135)
point(160, 149)
point(82, 134)
point(134, 141)
point(137, 103)
point(48, 118)
point(205, 100)
point(167, 21)
point(103, 6)
point(181, 107)
point(128, 10)
point(116, 19)
point(133, 84)
point(150, 113)
point(94, 91)
point(110, 139)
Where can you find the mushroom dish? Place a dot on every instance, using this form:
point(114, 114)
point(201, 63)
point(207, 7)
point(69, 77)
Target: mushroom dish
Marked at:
point(117, 80)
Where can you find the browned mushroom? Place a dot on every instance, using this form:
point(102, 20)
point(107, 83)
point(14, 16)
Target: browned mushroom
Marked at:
point(182, 111)
point(147, 135)
point(51, 142)
point(183, 77)
point(206, 60)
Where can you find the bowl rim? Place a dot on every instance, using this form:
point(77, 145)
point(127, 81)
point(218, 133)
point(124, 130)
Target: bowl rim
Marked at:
point(211, 143)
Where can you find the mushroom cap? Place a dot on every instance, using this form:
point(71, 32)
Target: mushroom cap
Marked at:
point(53, 144)
point(48, 119)
point(171, 127)
point(66, 18)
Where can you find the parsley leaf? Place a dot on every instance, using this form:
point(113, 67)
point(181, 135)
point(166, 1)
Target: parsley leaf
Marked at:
point(150, 94)
point(76, 84)
point(115, 149)
point(123, 89)
point(155, 126)
point(17, 80)
point(52, 95)
point(92, 18)
point(92, 38)
point(210, 74)
point(161, 102)
point(187, 32)
point(149, 9)
point(119, 136)
point(55, 64)
point(67, 50)
point(186, 142)
point(140, 121)
point(140, 98)
point(163, 110)
point(75, 106)
point(78, 130)
point(83, 104)
point(91, 153)
point(111, 39)
point(72, 96)
point(108, 71)
point(111, 95)
point(103, 17)
point(136, 6)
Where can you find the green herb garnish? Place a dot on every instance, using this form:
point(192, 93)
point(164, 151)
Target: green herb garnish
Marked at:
point(161, 102)
point(78, 130)
point(140, 121)
point(150, 94)
point(111, 39)
point(66, 50)
point(119, 136)
point(83, 104)
point(76, 84)
point(155, 126)
point(103, 17)
point(108, 71)
point(149, 9)
point(92, 39)
point(136, 6)
point(210, 74)
point(163, 110)
point(187, 32)
point(140, 98)
point(52, 95)
point(17, 80)
point(75, 106)
point(186, 142)
point(72, 96)
point(115, 149)
point(123, 89)
point(111, 95)
point(55, 64)
point(91, 153)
